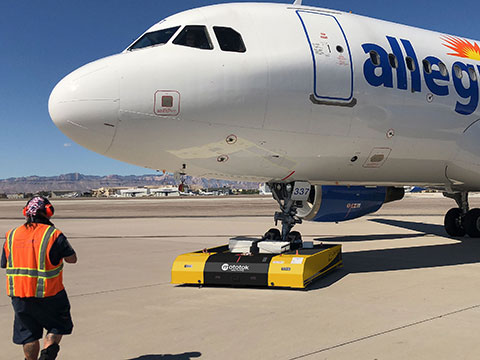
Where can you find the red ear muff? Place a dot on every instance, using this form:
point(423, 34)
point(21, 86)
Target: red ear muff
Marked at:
point(25, 211)
point(49, 210)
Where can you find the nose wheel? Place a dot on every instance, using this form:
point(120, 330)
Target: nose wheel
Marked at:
point(460, 221)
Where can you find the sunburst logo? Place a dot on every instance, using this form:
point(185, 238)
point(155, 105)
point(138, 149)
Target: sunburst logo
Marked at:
point(463, 48)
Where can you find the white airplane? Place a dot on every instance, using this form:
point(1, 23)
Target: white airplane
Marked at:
point(335, 111)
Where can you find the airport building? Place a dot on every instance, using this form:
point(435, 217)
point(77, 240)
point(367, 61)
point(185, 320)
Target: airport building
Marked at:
point(136, 192)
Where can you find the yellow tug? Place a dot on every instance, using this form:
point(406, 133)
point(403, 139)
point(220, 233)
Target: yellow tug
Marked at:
point(289, 269)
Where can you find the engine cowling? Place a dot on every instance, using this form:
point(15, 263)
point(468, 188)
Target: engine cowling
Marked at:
point(340, 203)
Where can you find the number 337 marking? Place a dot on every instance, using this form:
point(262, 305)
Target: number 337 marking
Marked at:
point(301, 191)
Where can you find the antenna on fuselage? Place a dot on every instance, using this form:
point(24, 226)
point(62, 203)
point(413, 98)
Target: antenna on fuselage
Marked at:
point(297, 2)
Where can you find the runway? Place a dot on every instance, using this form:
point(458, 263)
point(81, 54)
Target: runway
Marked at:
point(407, 291)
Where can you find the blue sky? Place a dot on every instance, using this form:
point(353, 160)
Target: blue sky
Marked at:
point(42, 41)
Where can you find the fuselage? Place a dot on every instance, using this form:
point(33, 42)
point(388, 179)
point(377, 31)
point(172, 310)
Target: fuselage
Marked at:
point(314, 94)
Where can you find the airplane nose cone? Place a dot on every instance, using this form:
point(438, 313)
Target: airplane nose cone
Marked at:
point(84, 105)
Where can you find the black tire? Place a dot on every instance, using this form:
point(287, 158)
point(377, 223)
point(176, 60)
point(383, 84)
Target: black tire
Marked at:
point(472, 223)
point(273, 234)
point(453, 222)
point(294, 236)
point(295, 239)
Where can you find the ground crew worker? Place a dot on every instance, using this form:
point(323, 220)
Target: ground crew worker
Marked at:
point(33, 256)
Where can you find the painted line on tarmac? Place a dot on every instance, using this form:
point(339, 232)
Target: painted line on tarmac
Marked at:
point(118, 290)
point(386, 332)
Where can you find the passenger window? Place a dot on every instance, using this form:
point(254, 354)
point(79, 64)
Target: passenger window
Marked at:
point(392, 59)
point(229, 39)
point(374, 58)
point(443, 68)
point(458, 71)
point(472, 73)
point(427, 67)
point(154, 38)
point(194, 36)
point(410, 63)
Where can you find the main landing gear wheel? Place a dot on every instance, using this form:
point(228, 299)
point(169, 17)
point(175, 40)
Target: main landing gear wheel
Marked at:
point(472, 223)
point(454, 222)
point(460, 221)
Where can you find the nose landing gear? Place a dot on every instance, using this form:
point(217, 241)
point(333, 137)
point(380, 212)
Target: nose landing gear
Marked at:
point(289, 197)
point(460, 221)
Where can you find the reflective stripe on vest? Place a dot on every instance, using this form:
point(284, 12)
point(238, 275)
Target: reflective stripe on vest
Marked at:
point(35, 273)
point(10, 262)
point(42, 259)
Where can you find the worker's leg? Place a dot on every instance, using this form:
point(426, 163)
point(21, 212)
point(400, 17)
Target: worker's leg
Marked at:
point(26, 330)
point(51, 339)
point(31, 350)
point(50, 347)
point(57, 321)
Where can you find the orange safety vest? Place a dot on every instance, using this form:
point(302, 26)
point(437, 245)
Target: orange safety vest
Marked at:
point(30, 272)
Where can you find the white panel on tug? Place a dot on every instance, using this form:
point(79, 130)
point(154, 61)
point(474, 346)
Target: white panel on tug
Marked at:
point(240, 245)
point(273, 247)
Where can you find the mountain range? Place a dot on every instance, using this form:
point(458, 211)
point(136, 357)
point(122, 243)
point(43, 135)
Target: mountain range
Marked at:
point(81, 183)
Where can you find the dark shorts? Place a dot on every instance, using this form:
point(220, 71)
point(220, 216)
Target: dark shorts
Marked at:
point(33, 315)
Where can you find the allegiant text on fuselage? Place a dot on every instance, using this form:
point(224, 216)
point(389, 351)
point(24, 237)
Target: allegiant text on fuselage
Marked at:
point(435, 80)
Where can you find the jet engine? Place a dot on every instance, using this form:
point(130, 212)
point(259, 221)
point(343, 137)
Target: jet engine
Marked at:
point(340, 203)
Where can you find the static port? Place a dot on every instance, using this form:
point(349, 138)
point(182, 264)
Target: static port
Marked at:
point(231, 139)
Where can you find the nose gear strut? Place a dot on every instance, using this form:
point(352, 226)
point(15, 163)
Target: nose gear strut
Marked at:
point(289, 197)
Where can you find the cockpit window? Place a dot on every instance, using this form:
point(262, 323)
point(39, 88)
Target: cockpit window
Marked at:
point(154, 38)
point(194, 36)
point(229, 39)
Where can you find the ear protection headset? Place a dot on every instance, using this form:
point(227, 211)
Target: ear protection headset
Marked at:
point(45, 205)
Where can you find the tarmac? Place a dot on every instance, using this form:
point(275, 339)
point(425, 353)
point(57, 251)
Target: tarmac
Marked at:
point(406, 291)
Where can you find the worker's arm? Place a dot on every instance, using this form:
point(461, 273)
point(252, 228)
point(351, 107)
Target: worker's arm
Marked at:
point(61, 249)
point(3, 262)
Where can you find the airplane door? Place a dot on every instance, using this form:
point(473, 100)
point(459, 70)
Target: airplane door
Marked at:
point(332, 61)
